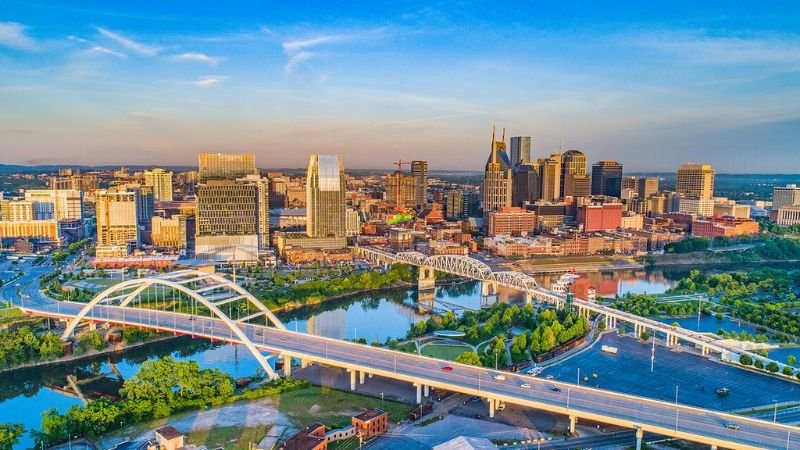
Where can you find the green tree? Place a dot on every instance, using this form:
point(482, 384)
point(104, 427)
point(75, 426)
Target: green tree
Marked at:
point(645, 335)
point(50, 346)
point(759, 364)
point(10, 434)
point(792, 360)
point(788, 370)
point(746, 360)
point(470, 358)
point(772, 367)
point(91, 341)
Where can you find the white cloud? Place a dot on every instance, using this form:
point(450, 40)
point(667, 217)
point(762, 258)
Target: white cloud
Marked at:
point(734, 50)
point(209, 81)
point(298, 51)
point(107, 51)
point(196, 57)
point(130, 44)
point(13, 35)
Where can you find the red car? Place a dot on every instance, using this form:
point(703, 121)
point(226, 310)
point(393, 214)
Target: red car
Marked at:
point(447, 368)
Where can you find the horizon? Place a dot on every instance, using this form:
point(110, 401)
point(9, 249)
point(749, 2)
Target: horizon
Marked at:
point(646, 85)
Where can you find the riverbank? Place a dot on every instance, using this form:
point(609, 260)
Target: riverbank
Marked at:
point(293, 305)
point(706, 259)
point(118, 348)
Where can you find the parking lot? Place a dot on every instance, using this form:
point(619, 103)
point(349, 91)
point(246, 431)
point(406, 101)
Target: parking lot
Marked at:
point(697, 378)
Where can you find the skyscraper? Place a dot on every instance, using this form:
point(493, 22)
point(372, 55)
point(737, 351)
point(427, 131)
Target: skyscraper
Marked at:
point(161, 182)
point(419, 172)
point(607, 178)
point(232, 221)
point(520, 150)
point(788, 195)
point(117, 223)
point(325, 197)
point(550, 174)
point(526, 184)
point(497, 189)
point(52, 204)
point(226, 166)
point(573, 162)
point(696, 180)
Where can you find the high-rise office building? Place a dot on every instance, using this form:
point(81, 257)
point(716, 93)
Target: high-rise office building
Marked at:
point(117, 223)
point(325, 197)
point(419, 172)
point(647, 187)
point(520, 150)
point(550, 176)
point(226, 166)
point(52, 204)
point(497, 188)
point(170, 233)
point(577, 185)
point(232, 221)
point(573, 162)
point(607, 178)
point(161, 182)
point(526, 185)
point(696, 180)
point(401, 190)
point(788, 195)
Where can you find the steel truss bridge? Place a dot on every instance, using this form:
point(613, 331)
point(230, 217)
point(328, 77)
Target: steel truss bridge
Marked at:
point(210, 306)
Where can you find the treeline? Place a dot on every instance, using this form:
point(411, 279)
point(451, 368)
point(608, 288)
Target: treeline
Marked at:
point(60, 256)
point(315, 290)
point(23, 345)
point(687, 245)
point(160, 388)
point(553, 332)
point(646, 305)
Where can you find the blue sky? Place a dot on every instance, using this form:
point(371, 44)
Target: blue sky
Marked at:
point(156, 82)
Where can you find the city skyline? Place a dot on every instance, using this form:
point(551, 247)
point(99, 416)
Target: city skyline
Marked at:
point(651, 88)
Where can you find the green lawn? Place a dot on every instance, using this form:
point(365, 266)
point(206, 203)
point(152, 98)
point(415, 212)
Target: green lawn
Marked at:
point(448, 352)
point(333, 408)
point(229, 437)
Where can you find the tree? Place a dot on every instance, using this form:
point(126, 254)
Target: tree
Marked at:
point(746, 360)
point(792, 360)
point(470, 358)
point(645, 335)
point(788, 370)
point(759, 364)
point(10, 434)
point(773, 367)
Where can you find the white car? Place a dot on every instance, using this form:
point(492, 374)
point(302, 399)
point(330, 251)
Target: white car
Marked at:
point(499, 377)
point(525, 386)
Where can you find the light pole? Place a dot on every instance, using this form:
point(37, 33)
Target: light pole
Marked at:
point(579, 376)
point(495, 360)
point(677, 411)
point(653, 356)
point(381, 400)
point(567, 398)
point(775, 412)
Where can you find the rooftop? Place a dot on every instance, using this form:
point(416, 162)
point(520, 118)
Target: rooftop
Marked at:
point(370, 414)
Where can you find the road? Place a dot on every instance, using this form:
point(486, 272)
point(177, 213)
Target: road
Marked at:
point(582, 402)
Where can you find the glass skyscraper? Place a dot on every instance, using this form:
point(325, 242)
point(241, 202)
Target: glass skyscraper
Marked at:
point(325, 197)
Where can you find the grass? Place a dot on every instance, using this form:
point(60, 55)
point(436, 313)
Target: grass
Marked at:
point(427, 422)
point(10, 313)
point(344, 444)
point(333, 408)
point(448, 352)
point(228, 437)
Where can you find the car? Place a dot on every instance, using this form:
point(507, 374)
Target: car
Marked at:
point(499, 377)
point(732, 426)
point(525, 386)
point(447, 368)
point(555, 389)
point(549, 377)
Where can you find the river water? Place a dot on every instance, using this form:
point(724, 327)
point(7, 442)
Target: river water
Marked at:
point(25, 394)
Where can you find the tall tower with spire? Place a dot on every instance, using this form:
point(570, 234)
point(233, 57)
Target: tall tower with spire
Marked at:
point(497, 177)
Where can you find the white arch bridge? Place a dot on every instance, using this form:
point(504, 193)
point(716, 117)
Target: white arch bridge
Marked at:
point(210, 306)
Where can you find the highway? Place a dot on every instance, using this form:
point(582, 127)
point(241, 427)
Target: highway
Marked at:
point(581, 402)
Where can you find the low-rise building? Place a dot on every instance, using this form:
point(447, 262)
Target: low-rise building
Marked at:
point(600, 216)
point(511, 221)
point(788, 215)
point(371, 423)
point(724, 226)
point(311, 437)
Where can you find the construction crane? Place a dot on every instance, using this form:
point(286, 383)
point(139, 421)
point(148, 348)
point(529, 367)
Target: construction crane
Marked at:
point(398, 183)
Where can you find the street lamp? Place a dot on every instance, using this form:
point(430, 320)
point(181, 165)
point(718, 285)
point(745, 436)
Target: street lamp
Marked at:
point(677, 411)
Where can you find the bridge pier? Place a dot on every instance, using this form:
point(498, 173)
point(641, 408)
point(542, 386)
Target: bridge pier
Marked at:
point(528, 297)
point(419, 392)
point(426, 391)
point(361, 376)
point(639, 437)
point(573, 420)
point(287, 365)
point(492, 405)
point(352, 379)
point(426, 278)
point(488, 288)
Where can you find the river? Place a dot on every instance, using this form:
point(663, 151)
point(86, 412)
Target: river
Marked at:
point(25, 394)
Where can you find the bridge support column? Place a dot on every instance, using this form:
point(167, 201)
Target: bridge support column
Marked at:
point(304, 363)
point(361, 375)
point(639, 436)
point(572, 421)
point(713, 447)
point(427, 278)
point(492, 404)
point(369, 375)
point(287, 365)
point(528, 298)
point(419, 392)
point(488, 288)
point(352, 379)
point(426, 390)
point(669, 340)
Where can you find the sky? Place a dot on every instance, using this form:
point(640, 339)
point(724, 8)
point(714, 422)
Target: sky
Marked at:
point(650, 84)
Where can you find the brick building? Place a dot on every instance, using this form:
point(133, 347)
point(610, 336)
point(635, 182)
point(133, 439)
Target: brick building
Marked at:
point(371, 423)
point(599, 217)
point(511, 221)
point(724, 226)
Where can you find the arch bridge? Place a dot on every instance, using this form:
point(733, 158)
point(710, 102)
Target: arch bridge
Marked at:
point(200, 294)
